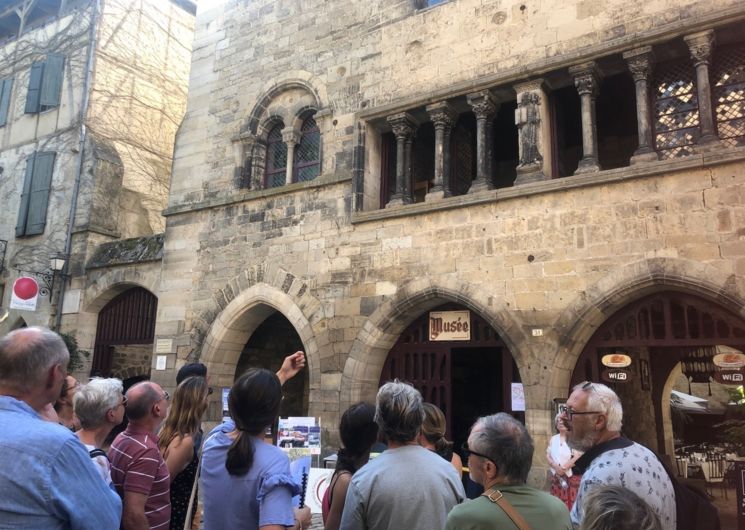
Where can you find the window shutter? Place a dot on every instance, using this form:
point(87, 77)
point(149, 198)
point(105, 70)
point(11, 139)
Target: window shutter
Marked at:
point(23, 210)
point(34, 87)
point(39, 197)
point(51, 83)
point(6, 85)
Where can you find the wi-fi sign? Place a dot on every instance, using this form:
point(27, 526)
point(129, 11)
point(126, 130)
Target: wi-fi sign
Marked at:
point(25, 294)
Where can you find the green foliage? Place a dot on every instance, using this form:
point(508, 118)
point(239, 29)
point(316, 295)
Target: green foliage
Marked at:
point(76, 354)
point(733, 429)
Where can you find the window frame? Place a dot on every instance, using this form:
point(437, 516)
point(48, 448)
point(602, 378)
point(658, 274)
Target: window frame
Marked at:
point(269, 170)
point(297, 165)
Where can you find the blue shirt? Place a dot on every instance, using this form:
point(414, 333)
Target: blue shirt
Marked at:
point(47, 478)
point(261, 497)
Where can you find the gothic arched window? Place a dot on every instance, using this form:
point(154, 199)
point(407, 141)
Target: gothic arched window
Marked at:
point(276, 157)
point(307, 164)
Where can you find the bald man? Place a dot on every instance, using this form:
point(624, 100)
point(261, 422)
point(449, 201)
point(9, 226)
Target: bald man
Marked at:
point(137, 470)
point(47, 479)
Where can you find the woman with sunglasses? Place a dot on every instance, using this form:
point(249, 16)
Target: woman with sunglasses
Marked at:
point(246, 482)
point(564, 483)
point(180, 439)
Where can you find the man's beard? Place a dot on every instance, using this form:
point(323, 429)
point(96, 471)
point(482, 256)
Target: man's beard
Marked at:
point(583, 444)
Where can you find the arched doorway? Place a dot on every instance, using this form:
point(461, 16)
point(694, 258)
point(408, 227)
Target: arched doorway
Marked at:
point(124, 335)
point(466, 378)
point(658, 332)
point(268, 345)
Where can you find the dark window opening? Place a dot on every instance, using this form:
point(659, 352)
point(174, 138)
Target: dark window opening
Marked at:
point(615, 109)
point(728, 87)
point(676, 119)
point(423, 162)
point(276, 157)
point(307, 164)
point(567, 130)
point(463, 154)
point(387, 167)
point(505, 149)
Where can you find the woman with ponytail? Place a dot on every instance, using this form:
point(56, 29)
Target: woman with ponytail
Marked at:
point(358, 432)
point(432, 436)
point(246, 482)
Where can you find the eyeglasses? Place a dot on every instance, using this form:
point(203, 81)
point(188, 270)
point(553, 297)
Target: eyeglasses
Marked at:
point(571, 412)
point(124, 401)
point(467, 452)
point(166, 396)
point(210, 390)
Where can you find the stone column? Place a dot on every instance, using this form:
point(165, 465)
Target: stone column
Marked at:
point(586, 80)
point(258, 165)
point(403, 125)
point(243, 149)
point(291, 137)
point(640, 63)
point(700, 46)
point(443, 117)
point(534, 133)
point(484, 107)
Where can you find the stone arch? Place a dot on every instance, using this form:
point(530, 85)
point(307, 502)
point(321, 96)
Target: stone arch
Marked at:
point(379, 333)
point(265, 106)
point(103, 288)
point(239, 318)
point(628, 283)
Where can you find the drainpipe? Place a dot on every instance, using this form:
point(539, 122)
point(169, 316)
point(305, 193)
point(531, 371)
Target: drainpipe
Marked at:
point(82, 136)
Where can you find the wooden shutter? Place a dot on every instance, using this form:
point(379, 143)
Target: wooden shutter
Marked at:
point(23, 210)
point(6, 85)
point(34, 87)
point(39, 197)
point(51, 83)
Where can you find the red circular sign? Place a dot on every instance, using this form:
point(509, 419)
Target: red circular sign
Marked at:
point(25, 288)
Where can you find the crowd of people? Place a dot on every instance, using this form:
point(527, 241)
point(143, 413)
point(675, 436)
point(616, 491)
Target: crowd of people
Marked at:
point(57, 471)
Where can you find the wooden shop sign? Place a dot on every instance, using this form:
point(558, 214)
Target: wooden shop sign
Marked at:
point(615, 375)
point(449, 325)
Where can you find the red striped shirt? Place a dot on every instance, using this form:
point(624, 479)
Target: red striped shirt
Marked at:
point(136, 466)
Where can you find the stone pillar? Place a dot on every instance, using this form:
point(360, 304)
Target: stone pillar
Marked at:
point(640, 63)
point(291, 137)
point(403, 125)
point(586, 80)
point(258, 165)
point(243, 148)
point(534, 132)
point(700, 46)
point(484, 108)
point(444, 118)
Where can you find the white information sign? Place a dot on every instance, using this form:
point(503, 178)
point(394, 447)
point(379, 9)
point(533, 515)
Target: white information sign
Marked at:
point(25, 294)
point(164, 346)
point(449, 325)
point(160, 362)
point(518, 397)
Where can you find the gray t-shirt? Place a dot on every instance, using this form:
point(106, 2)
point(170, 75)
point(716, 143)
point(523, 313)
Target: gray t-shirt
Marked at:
point(408, 488)
point(636, 468)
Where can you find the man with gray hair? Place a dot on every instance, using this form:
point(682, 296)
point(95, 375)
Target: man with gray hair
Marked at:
point(500, 452)
point(99, 406)
point(47, 479)
point(407, 486)
point(593, 416)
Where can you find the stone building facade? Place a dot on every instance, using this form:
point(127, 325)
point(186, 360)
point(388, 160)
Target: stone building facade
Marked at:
point(92, 94)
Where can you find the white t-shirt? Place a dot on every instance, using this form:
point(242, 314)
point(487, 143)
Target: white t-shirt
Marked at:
point(560, 453)
point(102, 465)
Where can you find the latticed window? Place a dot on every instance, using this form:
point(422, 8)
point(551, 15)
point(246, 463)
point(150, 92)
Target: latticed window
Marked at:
point(276, 158)
point(676, 109)
point(307, 153)
point(728, 79)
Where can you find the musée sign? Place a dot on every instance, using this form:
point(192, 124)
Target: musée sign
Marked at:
point(449, 325)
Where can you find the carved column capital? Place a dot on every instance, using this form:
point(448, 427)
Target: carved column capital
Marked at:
point(442, 114)
point(700, 45)
point(290, 135)
point(482, 103)
point(586, 78)
point(402, 124)
point(640, 62)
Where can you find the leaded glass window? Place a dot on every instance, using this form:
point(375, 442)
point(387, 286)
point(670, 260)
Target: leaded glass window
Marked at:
point(307, 153)
point(276, 158)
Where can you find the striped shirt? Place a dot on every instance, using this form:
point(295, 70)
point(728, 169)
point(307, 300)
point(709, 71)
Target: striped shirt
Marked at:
point(136, 466)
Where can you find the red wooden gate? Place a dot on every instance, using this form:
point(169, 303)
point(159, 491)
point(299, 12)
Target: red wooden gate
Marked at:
point(129, 318)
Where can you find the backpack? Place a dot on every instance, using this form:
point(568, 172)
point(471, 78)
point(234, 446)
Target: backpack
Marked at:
point(98, 452)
